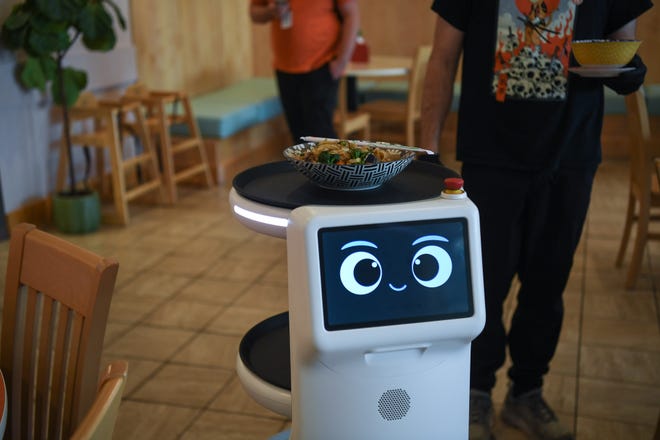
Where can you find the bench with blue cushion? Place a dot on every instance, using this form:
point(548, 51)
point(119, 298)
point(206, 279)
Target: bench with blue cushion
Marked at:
point(398, 90)
point(242, 125)
point(224, 112)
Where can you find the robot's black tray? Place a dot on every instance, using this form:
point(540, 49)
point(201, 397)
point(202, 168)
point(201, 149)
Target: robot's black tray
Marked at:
point(264, 350)
point(279, 184)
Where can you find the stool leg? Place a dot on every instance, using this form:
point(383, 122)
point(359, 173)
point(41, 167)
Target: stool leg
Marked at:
point(118, 180)
point(640, 243)
point(153, 163)
point(166, 154)
point(194, 131)
point(630, 214)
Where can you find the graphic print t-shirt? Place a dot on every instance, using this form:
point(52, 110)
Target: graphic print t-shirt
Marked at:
point(532, 49)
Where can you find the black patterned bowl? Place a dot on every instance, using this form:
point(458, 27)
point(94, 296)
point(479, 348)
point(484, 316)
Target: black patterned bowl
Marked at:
point(346, 177)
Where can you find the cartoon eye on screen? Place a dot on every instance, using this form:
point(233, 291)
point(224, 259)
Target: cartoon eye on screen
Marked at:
point(385, 274)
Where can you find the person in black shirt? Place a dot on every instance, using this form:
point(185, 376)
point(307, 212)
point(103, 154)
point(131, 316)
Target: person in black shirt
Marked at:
point(529, 141)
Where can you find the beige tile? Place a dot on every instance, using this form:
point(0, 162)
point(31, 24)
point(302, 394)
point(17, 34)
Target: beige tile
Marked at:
point(138, 371)
point(182, 265)
point(258, 250)
point(210, 350)
point(150, 343)
point(235, 269)
point(634, 335)
point(153, 285)
point(265, 296)
point(183, 385)
point(213, 425)
point(570, 328)
point(620, 365)
point(639, 306)
point(212, 291)
point(237, 320)
point(598, 429)
point(619, 402)
point(130, 310)
point(277, 275)
point(187, 315)
point(114, 330)
point(152, 421)
point(234, 399)
point(203, 247)
point(565, 360)
point(230, 229)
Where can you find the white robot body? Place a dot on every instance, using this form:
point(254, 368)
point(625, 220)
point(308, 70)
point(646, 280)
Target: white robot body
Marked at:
point(380, 349)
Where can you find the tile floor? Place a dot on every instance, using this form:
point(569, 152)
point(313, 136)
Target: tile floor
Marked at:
point(192, 280)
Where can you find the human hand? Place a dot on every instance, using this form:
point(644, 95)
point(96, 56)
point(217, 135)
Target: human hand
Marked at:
point(282, 7)
point(337, 68)
point(628, 82)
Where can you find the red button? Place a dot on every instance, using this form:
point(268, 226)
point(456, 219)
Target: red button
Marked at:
point(453, 183)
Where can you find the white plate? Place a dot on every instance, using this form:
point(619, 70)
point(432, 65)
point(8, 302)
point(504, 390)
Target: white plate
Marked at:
point(599, 71)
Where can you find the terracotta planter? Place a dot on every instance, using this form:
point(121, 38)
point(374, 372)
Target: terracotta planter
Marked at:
point(77, 214)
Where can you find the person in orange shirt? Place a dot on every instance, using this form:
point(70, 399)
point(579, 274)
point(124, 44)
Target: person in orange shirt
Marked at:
point(312, 42)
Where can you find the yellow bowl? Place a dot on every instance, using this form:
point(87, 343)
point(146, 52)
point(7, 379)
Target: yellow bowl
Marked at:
point(611, 53)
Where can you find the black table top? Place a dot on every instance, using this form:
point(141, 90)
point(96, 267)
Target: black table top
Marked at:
point(280, 185)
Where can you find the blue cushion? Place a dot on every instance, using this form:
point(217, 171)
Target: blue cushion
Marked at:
point(653, 98)
point(231, 109)
point(394, 90)
point(616, 104)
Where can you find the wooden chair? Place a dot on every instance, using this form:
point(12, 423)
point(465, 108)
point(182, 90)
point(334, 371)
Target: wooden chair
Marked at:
point(56, 304)
point(164, 109)
point(644, 194)
point(97, 124)
point(347, 122)
point(405, 112)
point(99, 423)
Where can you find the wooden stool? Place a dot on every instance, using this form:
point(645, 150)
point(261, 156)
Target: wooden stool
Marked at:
point(347, 122)
point(644, 187)
point(162, 113)
point(105, 119)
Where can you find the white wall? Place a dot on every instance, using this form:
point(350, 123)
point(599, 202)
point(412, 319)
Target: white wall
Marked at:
point(28, 136)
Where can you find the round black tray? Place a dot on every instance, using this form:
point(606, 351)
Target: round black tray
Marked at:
point(280, 185)
point(265, 350)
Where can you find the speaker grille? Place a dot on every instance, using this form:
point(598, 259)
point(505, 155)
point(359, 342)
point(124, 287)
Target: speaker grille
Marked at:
point(394, 404)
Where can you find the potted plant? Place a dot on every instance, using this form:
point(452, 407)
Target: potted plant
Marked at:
point(43, 32)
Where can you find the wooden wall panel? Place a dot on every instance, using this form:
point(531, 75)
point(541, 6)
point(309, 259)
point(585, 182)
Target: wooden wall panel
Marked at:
point(200, 45)
point(192, 45)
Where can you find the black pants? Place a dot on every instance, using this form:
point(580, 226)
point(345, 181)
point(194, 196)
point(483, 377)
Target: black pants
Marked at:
point(531, 224)
point(309, 101)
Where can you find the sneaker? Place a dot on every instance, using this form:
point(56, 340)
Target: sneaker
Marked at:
point(481, 415)
point(532, 415)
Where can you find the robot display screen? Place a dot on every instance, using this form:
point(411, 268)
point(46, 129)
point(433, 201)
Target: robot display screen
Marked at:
point(395, 273)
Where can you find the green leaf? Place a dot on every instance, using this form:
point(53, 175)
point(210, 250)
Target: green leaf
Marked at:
point(18, 18)
point(53, 9)
point(73, 82)
point(43, 43)
point(32, 74)
point(120, 17)
point(14, 29)
point(49, 67)
point(96, 26)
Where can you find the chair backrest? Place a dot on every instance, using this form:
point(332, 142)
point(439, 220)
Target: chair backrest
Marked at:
point(643, 153)
point(56, 304)
point(99, 423)
point(416, 81)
